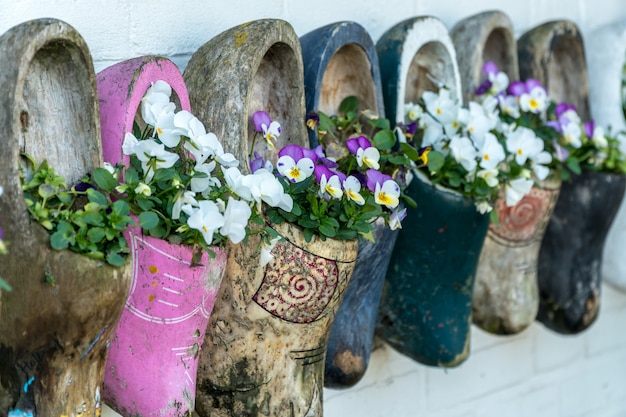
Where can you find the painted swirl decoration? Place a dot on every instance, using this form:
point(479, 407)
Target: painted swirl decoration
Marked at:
point(297, 285)
point(522, 222)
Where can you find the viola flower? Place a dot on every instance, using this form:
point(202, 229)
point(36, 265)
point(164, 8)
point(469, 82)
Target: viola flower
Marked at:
point(441, 106)
point(312, 120)
point(523, 143)
point(143, 189)
point(490, 176)
point(330, 187)
point(365, 153)
point(422, 154)
point(538, 163)
point(293, 165)
point(572, 134)
point(463, 152)
point(129, 144)
point(535, 100)
point(498, 80)
point(374, 178)
point(596, 134)
point(396, 217)
point(183, 198)
point(153, 156)
point(560, 152)
point(388, 194)
point(491, 153)
point(200, 184)
point(413, 111)
point(259, 163)
point(509, 105)
point(236, 219)
point(269, 129)
point(516, 189)
point(352, 188)
point(265, 187)
point(205, 218)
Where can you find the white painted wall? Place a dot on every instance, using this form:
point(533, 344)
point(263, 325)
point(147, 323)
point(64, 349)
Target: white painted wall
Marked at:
point(536, 373)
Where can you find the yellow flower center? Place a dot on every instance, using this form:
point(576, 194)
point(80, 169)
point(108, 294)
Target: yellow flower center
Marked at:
point(159, 131)
point(519, 152)
point(486, 157)
point(294, 173)
point(204, 228)
point(384, 198)
point(533, 103)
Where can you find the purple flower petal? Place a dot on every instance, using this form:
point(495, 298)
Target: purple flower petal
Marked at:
point(490, 68)
point(261, 118)
point(256, 163)
point(554, 125)
point(517, 88)
point(352, 145)
point(375, 177)
point(322, 170)
point(364, 142)
point(293, 151)
point(533, 83)
point(562, 108)
point(483, 88)
point(589, 128)
point(311, 154)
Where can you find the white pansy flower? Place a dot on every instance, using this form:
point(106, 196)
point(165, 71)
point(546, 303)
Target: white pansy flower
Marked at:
point(516, 189)
point(489, 175)
point(491, 153)
point(205, 218)
point(463, 152)
point(236, 218)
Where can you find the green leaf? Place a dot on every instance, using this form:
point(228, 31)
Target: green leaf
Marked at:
point(380, 123)
point(573, 165)
point(327, 230)
point(93, 218)
point(349, 104)
point(166, 174)
point(121, 207)
point(115, 259)
point(97, 197)
point(131, 176)
point(104, 179)
point(326, 124)
point(435, 161)
point(148, 220)
point(308, 234)
point(385, 139)
point(96, 234)
point(63, 237)
point(409, 151)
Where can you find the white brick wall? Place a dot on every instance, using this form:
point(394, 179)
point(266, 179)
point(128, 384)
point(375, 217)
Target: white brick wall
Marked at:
point(537, 373)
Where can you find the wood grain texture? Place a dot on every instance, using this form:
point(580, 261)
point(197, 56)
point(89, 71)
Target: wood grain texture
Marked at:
point(54, 333)
point(481, 38)
point(251, 67)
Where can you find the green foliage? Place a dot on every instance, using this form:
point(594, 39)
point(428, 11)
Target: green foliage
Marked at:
point(82, 218)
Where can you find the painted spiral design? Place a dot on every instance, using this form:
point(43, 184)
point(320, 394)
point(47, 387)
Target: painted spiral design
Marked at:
point(522, 221)
point(297, 285)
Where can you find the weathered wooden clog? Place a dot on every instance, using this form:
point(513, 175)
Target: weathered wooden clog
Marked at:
point(340, 61)
point(426, 304)
point(251, 67)
point(267, 337)
point(606, 49)
point(53, 336)
point(153, 358)
point(506, 296)
point(481, 38)
point(570, 258)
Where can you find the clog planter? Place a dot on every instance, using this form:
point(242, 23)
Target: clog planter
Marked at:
point(426, 303)
point(570, 257)
point(59, 318)
point(506, 296)
point(606, 49)
point(152, 365)
point(340, 61)
point(267, 336)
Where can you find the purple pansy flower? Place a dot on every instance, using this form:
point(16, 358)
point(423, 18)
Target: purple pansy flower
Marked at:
point(321, 170)
point(321, 157)
point(256, 163)
point(589, 126)
point(375, 177)
point(517, 88)
point(354, 144)
point(261, 118)
point(293, 150)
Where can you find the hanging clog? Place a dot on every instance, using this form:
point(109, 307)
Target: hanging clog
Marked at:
point(153, 359)
point(506, 296)
point(267, 337)
point(426, 303)
point(59, 317)
point(570, 258)
point(340, 61)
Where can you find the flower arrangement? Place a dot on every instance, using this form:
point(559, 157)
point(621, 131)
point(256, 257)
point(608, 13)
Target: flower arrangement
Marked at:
point(180, 183)
point(338, 196)
point(82, 218)
point(470, 151)
point(572, 144)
